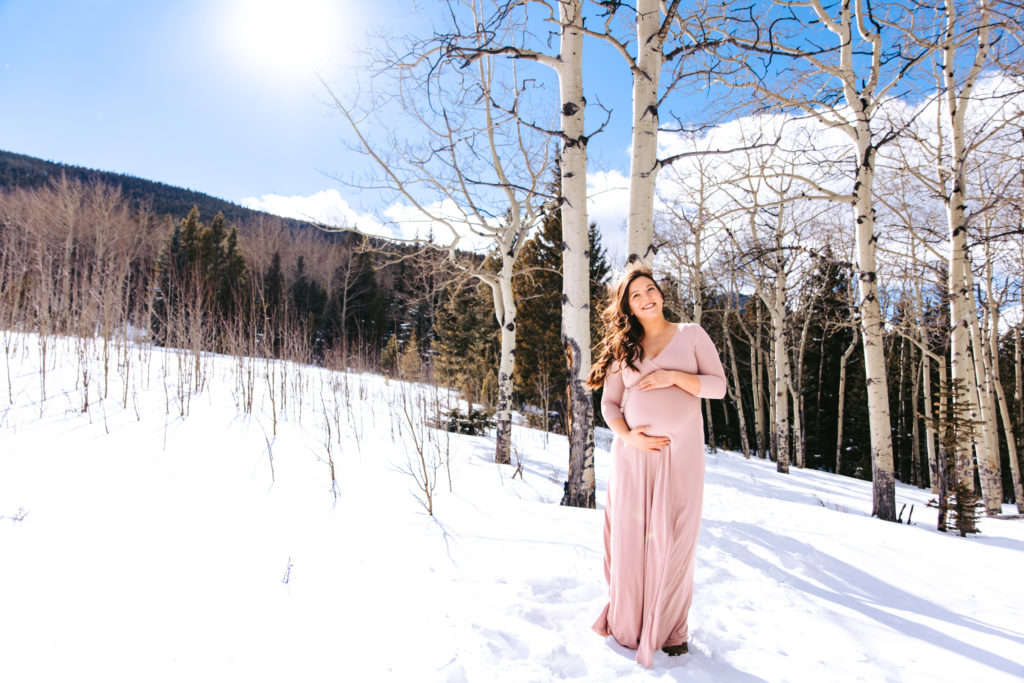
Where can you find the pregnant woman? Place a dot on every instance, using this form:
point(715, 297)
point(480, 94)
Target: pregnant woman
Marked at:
point(654, 374)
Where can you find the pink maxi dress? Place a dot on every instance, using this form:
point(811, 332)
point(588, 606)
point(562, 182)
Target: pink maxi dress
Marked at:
point(652, 517)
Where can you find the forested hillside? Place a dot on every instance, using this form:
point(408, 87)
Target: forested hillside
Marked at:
point(26, 172)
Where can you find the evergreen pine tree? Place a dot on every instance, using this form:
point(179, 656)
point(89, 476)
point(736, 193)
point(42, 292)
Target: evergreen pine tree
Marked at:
point(309, 298)
point(540, 375)
point(465, 344)
point(232, 285)
point(957, 507)
point(389, 356)
point(166, 285)
point(198, 265)
point(410, 362)
point(190, 231)
point(273, 288)
point(353, 311)
point(599, 269)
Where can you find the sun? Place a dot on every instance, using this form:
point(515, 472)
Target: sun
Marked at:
point(286, 39)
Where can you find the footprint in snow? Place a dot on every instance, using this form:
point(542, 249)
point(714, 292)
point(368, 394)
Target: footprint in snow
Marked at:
point(505, 645)
point(567, 664)
point(537, 617)
point(552, 589)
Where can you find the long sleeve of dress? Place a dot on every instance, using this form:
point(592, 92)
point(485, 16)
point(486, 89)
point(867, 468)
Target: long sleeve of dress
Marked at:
point(709, 366)
point(611, 399)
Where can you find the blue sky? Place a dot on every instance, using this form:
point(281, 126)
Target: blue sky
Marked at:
point(163, 91)
point(215, 95)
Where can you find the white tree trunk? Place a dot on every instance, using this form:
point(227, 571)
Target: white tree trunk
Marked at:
point(842, 399)
point(580, 488)
point(915, 429)
point(929, 432)
point(505, 311)
point(644, 160)
point(996, 393)
point(783, 380)
point(760, 419)
point(926, 377)
point(1004, 410)
point(781, 410)
point(735, 393)
point(986, 441)
point(796, 389)
point(1018, 373)
point(872, 328)
point(769, 378)
point(1018, 385)
point(961, 304)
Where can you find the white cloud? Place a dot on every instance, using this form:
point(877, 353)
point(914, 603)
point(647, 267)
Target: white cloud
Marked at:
point(326, 207)
point(608, 206)
point(443, 220)
point(397, 221)
point(1010, 317)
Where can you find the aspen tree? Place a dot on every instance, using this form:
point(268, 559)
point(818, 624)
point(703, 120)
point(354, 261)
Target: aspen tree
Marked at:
point(653, 21)
point(957, 98)
point(580, 489)
point(484, 179)
point(490, 37)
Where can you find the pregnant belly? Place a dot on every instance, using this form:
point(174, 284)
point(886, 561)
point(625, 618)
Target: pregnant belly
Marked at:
point(665, 410)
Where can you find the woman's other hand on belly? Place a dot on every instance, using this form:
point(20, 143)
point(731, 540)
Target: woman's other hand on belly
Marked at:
point(661, 379)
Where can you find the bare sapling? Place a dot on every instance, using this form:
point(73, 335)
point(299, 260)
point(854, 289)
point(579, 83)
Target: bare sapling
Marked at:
point(270, 376)
point(440, 405)
point(335, 413)
point(423, 461)
point(355, 418)
point(328, 442)
point(270, 455)
point(83, 360)
point(8, 336)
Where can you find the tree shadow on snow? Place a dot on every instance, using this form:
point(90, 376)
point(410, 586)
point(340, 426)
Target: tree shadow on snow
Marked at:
point(554, 473)
point(786, 487)
point(846, 585)
point(995, 541)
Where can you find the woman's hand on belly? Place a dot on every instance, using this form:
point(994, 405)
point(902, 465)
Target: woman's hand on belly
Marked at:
point(638, 438)
point(661, 379)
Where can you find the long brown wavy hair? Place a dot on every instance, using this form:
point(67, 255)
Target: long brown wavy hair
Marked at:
point(622, 330)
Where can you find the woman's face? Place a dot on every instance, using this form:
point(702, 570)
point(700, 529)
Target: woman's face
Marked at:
point(644, 299)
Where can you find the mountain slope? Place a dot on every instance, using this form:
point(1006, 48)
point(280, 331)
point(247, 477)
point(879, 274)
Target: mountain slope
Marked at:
point(22, 171)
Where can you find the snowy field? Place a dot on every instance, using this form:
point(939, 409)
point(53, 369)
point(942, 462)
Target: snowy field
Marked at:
point(151, 530)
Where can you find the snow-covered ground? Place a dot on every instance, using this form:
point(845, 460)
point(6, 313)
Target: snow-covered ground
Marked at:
point(168, 534)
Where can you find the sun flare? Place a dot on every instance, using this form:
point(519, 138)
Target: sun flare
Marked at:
point(285, 39)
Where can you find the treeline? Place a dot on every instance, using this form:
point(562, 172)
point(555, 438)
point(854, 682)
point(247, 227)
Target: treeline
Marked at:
point(80, 258)
point(20, 171)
